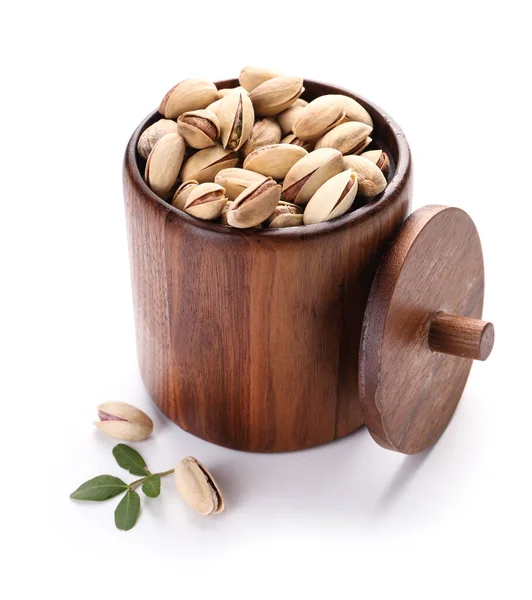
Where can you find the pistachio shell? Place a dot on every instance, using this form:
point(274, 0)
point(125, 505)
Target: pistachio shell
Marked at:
point(206, 201)
point(183, 192)
point(214, 106)
point(255, 204)
point(319, 116)
point(285, 215)
point(251, 77)
point(204, 165)
point(371, 181)
point(223, 217)
point(235, 181)
point(275, 95)
point(164, 163)
point(197, 487)
point(222, 93)
point(289, 116)
point(310, 173)
point(333, 198)
point(274, 160)
point(291, 138)
point(199, 128)
point(123, 421)
point(152, 134)
point(363, 146)
point(380, 158)
point(347, 138)
point(190, 94)
point(264, 133)
point(236, 116)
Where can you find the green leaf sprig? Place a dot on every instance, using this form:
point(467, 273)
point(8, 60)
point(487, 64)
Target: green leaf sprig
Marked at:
point(104, 487)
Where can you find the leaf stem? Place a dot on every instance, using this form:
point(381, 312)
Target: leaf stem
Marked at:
point(135, 484)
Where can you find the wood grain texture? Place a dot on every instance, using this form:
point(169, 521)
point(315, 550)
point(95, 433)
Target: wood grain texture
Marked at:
point(250, 339)
point(408, 392)
point(461, 336)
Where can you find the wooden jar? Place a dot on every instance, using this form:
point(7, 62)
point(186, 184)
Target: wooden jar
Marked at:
point(252, 339)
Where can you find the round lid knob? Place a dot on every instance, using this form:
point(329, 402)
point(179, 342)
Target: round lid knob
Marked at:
point(422, 329)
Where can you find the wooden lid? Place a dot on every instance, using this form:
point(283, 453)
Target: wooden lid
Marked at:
point(422, 329)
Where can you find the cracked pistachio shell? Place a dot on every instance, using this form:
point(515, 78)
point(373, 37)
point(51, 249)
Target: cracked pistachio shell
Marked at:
point(291, 138)
point(319, 116)
point(348, 138)
point(183, 192)
point(380, 158)
point(363, 146)
point(225, 91)
point(354, 110)
point(264, 133)
point(310, 173)
point(274, 160)
point(197, 487)
point(255, 204)
point(251, 77)
point(164, 163)
point(236, 116)
point(152, 134)
point(206, 201)
point(214, 106)
point(334, 198)
point(289, 116)
point(285, 215)
point(223, 217)
point(199, 128)
point(190, 94)
point(205, 164)
point(275, 95)
point(235, 180)
point(371, 180)
point(123, 421)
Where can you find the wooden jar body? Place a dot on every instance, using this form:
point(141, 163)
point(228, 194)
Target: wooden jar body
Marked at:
point(250, 339)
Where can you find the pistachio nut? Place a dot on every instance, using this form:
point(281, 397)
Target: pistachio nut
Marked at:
point(275, 95)
point(333, 198)
point(380, 158)
point(255, 204)
point(348, 137)
point(319, 116)
point(235, 181)
point(190, 94)
point(354, 111)
point(223, 216)
point(204, 165)
point(371, 181)
point(289, 116)
point(274, 160)
point(236, 116)
point(206, 201)
point(183, 192)
point(251, 77)
point(152, 134)
point(264, 133)
point(363, 146)
point(123, 421)
point(164, 163)
point(222, 93)
point(310, 173)
point(291, 138)
point(285, 215)
point(213, 107)
point(199, 128)
point(197, 487)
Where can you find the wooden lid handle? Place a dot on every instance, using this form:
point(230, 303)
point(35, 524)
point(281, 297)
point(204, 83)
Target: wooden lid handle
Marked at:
point(461, 336)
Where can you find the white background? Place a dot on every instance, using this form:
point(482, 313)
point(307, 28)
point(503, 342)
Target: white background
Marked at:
point(349, 518)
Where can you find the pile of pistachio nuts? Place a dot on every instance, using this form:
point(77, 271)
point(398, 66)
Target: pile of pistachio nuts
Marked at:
point(260, 156)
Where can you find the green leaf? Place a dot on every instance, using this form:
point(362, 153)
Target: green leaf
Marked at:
point(130, 459)
point(99, 488)
point(127, 511)
point(152, 486)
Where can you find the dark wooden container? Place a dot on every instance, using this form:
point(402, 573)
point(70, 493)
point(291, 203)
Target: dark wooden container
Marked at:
point(250, 339)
